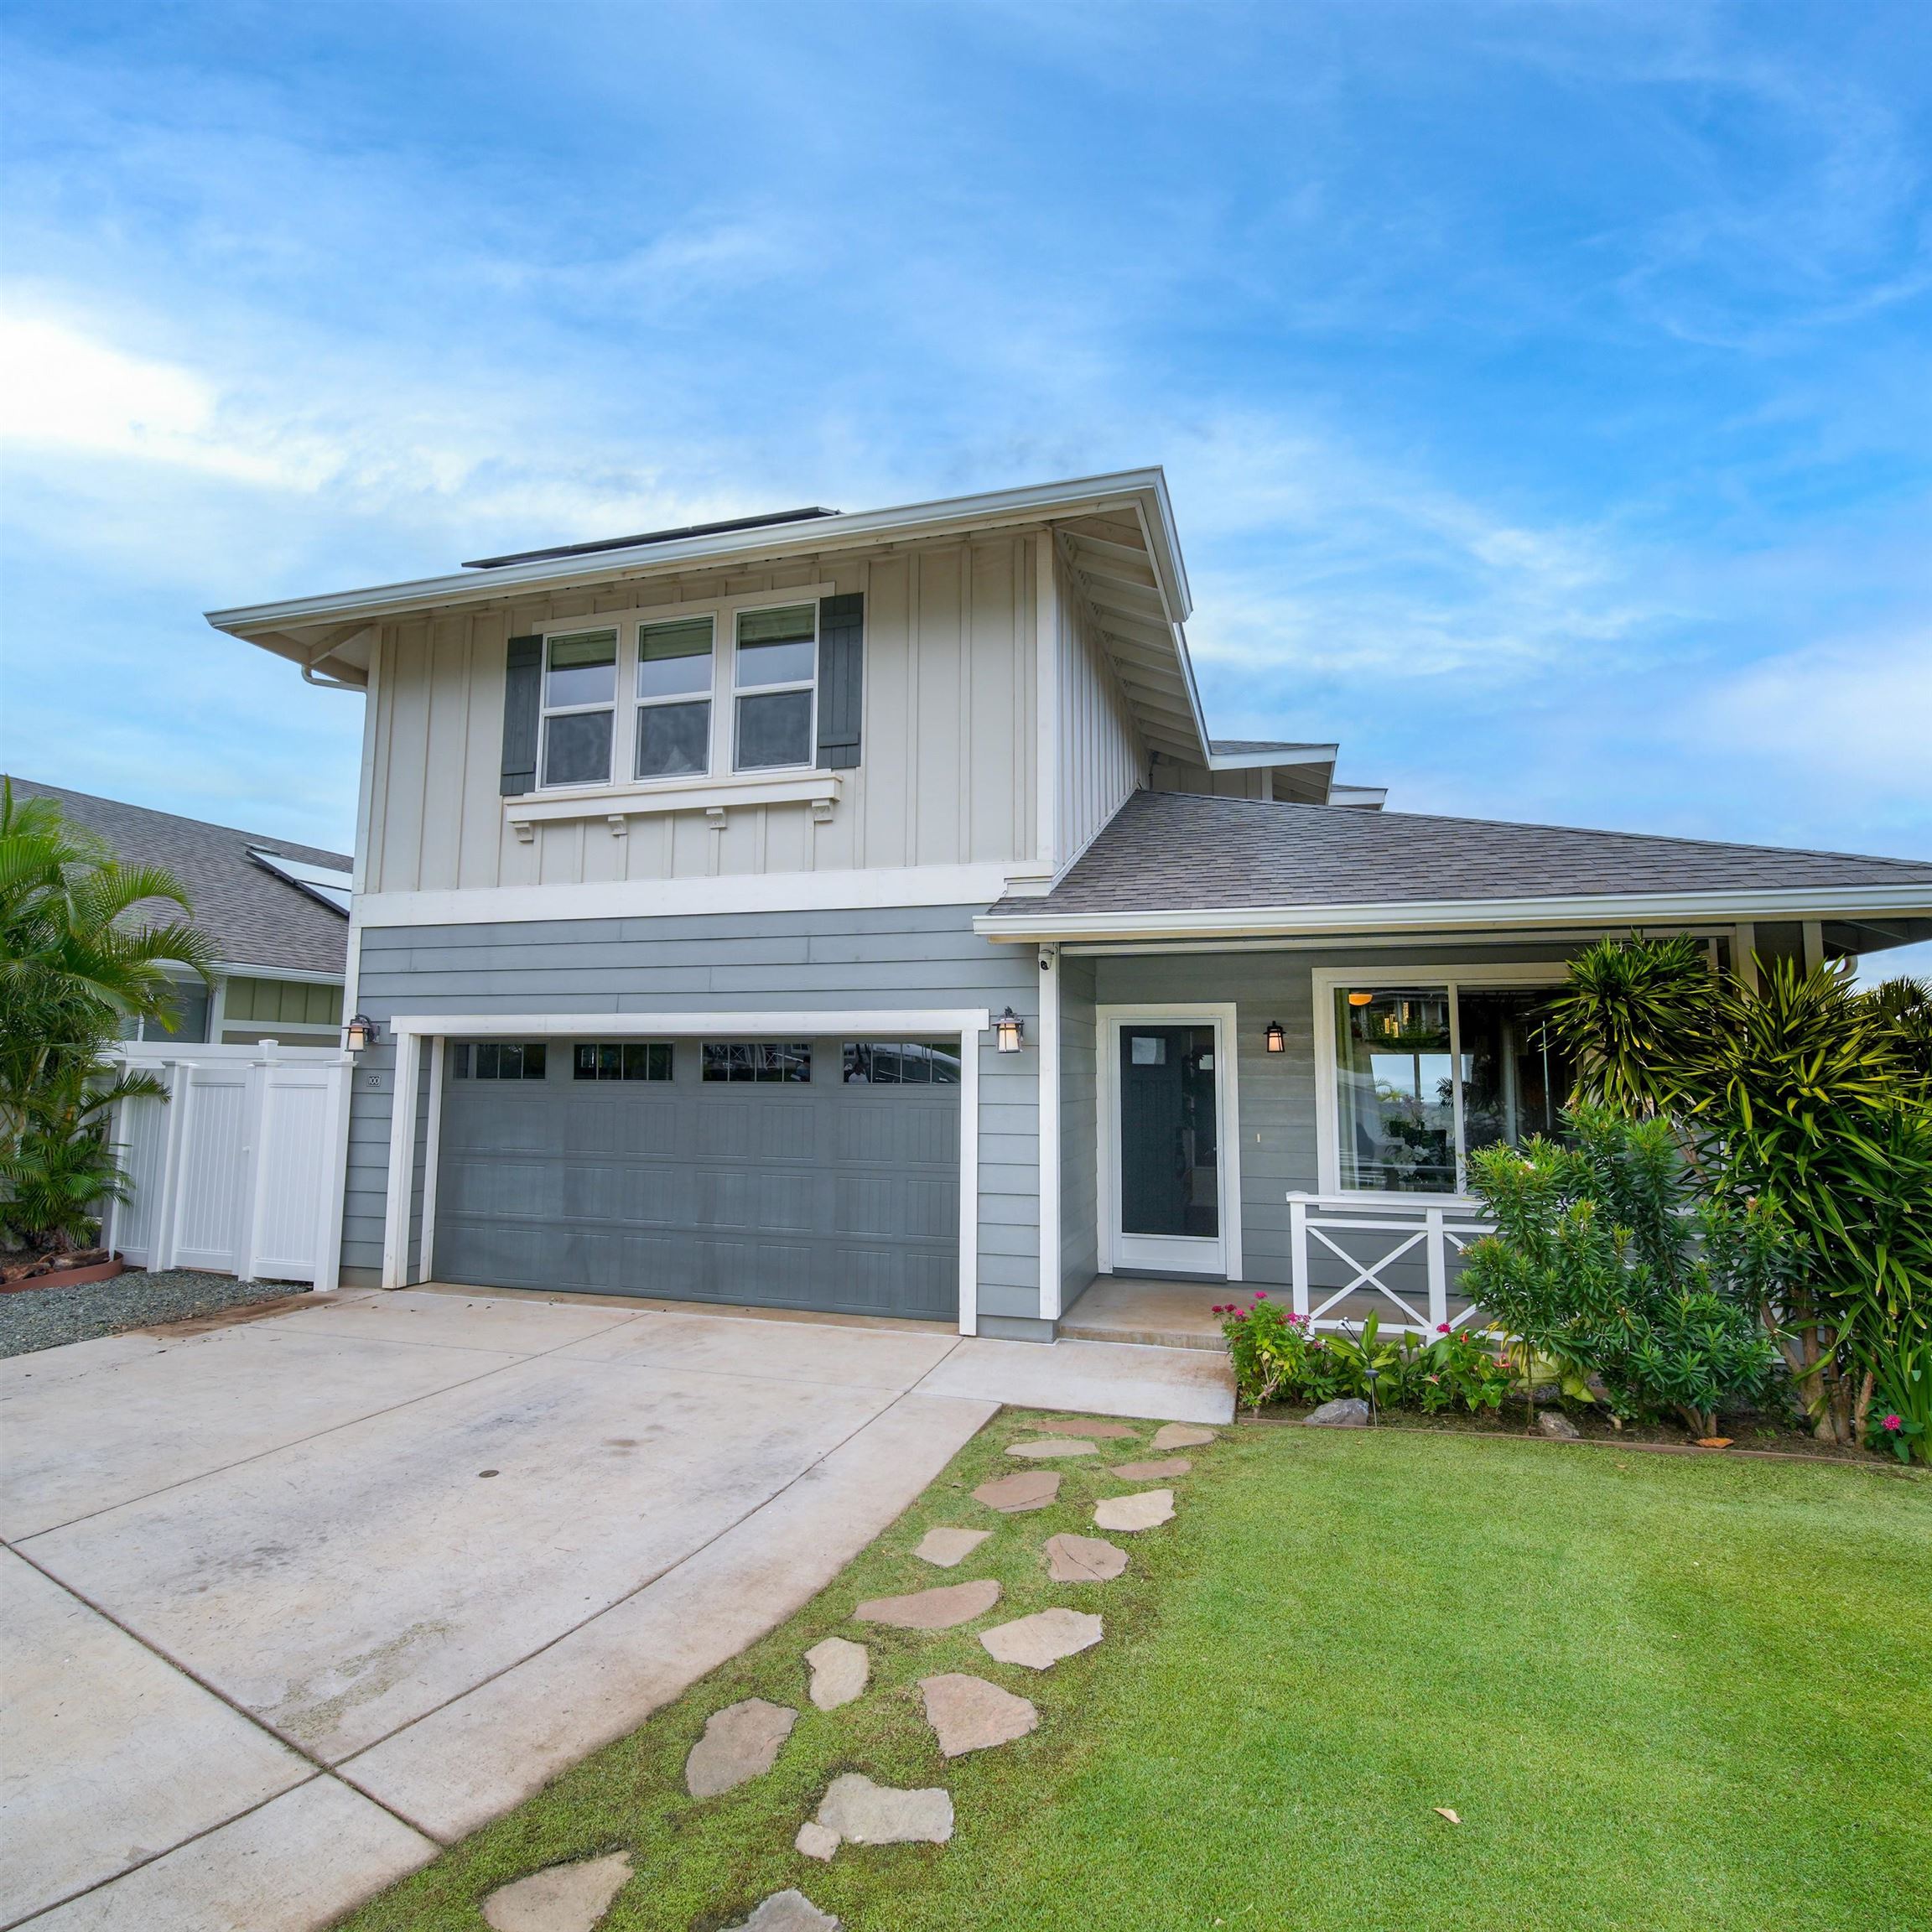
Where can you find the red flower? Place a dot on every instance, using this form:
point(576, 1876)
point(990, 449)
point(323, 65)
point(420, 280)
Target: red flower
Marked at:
point(1441, 1327)
point(1894, 1423)
point(1260, 1294)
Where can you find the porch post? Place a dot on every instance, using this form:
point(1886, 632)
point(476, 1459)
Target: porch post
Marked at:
point(1437, 1250)
point(1298, 1250)
point(1049, 1057)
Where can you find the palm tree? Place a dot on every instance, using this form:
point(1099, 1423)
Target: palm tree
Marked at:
point(81, 952)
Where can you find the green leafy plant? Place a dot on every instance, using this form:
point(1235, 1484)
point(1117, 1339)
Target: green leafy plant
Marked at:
point(1599, 1269)
point(1459, 1368)
point(1268, 1346)
point(80, 952)
point(1900, 1416)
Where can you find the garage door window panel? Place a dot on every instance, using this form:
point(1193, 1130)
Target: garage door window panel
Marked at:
point(498, 1060)
point(634, 1059)
point(758, 1062)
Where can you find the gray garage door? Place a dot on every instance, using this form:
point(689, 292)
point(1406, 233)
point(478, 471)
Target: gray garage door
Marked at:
point(796, 1174)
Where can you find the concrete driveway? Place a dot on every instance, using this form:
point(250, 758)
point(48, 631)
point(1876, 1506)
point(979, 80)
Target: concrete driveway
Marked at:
point(290, 1603)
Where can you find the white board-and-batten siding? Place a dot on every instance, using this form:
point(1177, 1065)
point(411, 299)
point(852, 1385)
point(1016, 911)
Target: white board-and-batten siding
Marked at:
point(946, 776)
point(1101, 758)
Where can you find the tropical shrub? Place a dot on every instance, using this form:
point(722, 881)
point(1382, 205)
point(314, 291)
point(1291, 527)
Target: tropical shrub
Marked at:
point(1804, 1098)
point(1601, 1270)
point(77, 958)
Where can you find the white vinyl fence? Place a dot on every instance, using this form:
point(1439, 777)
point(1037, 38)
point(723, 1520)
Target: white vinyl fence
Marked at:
point(240, 1170)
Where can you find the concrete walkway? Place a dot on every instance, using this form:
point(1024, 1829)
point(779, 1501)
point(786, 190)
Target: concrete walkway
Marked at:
point(289, 1603)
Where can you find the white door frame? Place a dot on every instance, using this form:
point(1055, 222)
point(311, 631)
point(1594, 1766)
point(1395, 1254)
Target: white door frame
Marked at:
point(1221, 1015)
point(409, 1030)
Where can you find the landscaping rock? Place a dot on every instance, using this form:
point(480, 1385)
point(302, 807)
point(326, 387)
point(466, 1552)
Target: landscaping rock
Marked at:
point(1039, 1641)
point(969, 1714)
point(944, 1548)
point(839, 1670)
point(1106, 1431)
point(564, 1898)
point(939, 1609)
point(1351, 1412)
point(863, 1813)
point(1026, 1489)
point(1084, 1559)
point(1555, 1424)
point(1141, 1510)
point(789, 1911)
point(815, 1842)
point(740, 1742)
point(1182, 1436)
point(1152, 1472)
point(1053, 1446)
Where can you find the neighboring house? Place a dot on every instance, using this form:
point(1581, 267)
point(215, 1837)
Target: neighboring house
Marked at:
point(277, 915)
point(696, 869)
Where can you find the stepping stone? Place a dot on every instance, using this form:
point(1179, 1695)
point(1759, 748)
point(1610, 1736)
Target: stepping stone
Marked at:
point(1183, 1436)
point(789, 1912)
point(939, 1609)
point(1350, 1412)
point(1054, 1445)
point(839, 1671)
point(739, 1742)
point(1141, 1510)
point(863, 1813)
point(969, 1714)
point(1083, 1560)
point(944, 1548)
point(565, 1898)
point(1153, 1472)
point(1104, 1430)
point(1025, 1489)
point(1039, 1641)
point(815, 1842)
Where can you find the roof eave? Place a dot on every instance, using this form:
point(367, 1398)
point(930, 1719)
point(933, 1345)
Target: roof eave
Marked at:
point(270, 625)
point(1462, 915)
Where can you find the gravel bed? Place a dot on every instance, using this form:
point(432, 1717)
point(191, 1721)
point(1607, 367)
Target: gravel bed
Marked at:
point(36, 1318)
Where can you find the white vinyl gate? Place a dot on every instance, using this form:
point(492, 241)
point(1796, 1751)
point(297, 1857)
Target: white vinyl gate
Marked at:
point(240, 1170)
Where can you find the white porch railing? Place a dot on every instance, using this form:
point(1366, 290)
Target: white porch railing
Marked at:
point(1432, 1233)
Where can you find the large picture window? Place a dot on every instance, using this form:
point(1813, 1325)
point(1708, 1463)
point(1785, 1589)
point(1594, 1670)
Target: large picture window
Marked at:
point(579, 706)
point(1426, 1072)
point(775, 676)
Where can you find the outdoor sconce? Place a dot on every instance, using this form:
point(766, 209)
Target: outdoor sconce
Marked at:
point(363, 1032)
point(1277, 1039)
point(1006, 1032)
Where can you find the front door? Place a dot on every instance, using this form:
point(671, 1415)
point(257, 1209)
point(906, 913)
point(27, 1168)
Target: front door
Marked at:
point(1168, 1206)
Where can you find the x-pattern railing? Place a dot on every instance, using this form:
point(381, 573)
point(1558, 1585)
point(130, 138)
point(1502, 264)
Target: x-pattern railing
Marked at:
point(1429, 1227)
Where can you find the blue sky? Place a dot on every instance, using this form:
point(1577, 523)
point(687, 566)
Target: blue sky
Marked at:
point(1543, 390)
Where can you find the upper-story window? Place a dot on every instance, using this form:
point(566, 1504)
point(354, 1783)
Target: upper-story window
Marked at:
point(776, 677)
point(674, 672)
point(579, 707)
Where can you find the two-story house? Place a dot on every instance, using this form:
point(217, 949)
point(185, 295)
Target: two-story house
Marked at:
point(853, 912)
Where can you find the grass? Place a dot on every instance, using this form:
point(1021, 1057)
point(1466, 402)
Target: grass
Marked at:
point(1660, 1692)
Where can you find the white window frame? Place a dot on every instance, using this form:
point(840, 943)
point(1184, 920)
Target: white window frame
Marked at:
point(1187, 1255)
point(637, 627)
point(747, 609)
point(723, 611)
point(1326, 980)
point(546, 711)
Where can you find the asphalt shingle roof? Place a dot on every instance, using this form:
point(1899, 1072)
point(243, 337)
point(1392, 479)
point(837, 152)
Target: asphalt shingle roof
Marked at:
point(254, 918)
point(1179, 851)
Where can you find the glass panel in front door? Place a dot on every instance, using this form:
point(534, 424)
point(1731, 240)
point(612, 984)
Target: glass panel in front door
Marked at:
point(1169, 1164)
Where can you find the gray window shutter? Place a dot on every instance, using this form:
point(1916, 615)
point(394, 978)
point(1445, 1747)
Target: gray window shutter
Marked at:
point(841, 680)
point(522, 706)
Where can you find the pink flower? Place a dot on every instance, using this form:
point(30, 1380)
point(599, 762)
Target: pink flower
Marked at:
point(1894, 1423)
point(1260, 1294)
point(1441, 1327)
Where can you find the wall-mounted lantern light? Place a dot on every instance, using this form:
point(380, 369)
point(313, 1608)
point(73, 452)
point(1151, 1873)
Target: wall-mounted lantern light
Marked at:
point(1277, 1039)
point(363, 1032)
point(1006, 1032)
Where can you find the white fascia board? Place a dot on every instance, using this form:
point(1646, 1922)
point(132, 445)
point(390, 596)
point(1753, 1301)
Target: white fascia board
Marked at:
point(1273, 755)
point(1462, 915)
point(804, 1022)
point(1147, 489)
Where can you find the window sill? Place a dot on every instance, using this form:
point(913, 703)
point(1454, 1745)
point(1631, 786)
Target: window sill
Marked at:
point(618, 804)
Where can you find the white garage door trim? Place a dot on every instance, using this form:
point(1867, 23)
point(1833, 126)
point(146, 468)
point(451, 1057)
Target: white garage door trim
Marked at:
point(409, 1030)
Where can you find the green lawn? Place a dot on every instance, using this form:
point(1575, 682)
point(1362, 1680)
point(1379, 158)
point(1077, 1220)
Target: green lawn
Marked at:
point(1661, 1692)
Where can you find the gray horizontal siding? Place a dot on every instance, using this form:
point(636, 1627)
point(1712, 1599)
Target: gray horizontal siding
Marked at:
point(894, 956)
